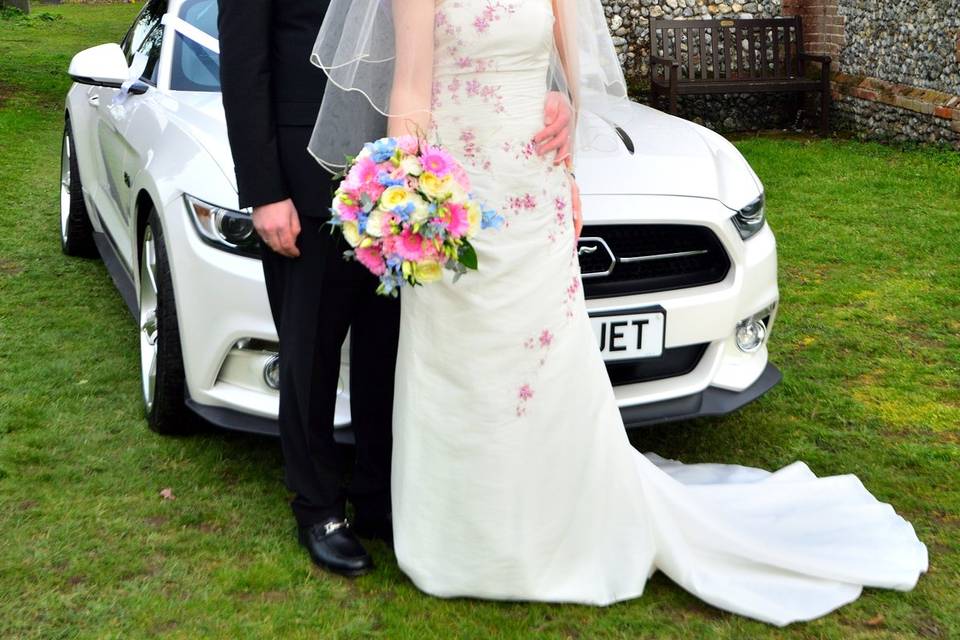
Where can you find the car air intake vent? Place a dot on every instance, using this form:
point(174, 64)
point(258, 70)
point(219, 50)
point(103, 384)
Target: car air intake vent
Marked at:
point(618, 260)
point(676, 361)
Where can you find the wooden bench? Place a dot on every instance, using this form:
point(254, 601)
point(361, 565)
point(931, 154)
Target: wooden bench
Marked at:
point(689, 57)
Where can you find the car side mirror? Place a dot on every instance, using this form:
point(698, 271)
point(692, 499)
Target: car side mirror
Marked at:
point(102, 66)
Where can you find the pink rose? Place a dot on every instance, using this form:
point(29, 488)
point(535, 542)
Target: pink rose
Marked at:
point(408, 144)
point(347, 212)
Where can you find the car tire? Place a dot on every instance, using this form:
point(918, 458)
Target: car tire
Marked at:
point(76, 230)
point(161, 360)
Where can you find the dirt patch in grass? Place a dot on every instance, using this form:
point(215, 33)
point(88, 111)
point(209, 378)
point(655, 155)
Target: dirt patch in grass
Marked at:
point(9, 267)
point(156, 521)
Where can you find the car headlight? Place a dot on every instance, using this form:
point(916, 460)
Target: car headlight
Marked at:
point(749, 220)
point(223, 228)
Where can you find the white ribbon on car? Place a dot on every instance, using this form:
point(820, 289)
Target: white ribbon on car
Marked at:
point(137, 67)
point(192, 33)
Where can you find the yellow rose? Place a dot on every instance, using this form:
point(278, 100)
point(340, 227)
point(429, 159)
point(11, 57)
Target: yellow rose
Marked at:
point(427, 271)
point(434, 187)
point(474, 217)
point(393, 197)
point(351, 232)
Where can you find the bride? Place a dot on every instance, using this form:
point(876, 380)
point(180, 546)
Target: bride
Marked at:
point(513, 478)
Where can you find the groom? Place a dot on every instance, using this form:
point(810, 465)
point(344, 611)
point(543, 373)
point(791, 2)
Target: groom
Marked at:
point(271, 97)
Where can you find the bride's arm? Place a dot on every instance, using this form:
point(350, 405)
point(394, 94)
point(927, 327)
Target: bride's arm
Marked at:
point(413, 69)
point(562, 48)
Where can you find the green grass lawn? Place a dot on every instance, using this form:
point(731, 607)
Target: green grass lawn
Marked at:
point(867, 339)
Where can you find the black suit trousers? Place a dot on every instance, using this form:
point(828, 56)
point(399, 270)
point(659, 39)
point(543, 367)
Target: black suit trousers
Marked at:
point(315, 298)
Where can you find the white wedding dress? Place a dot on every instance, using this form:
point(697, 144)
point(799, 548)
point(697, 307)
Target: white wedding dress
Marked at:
point(513, 478)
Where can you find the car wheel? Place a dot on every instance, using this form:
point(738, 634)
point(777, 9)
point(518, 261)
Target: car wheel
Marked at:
point(161, 360)
point(76, 232)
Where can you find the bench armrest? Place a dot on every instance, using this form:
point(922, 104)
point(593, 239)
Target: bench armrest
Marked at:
point(824, 60)
point(667, 62)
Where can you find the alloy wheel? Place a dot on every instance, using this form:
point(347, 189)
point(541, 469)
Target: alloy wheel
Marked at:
point(148, 317)
point(65, 187)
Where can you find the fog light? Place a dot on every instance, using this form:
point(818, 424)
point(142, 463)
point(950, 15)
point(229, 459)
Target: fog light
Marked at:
point(750, 334)
point(271, 372)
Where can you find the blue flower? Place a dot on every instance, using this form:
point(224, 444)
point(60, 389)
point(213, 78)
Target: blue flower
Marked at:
point(490, 219)
point(404, 211)
point(382, 149)
point(384, 179)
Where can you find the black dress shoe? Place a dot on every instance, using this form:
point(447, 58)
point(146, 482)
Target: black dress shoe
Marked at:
point(333, 546)
point(379, 528)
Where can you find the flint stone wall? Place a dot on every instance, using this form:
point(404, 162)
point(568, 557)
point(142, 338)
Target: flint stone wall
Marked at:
point(899, 45)
point(914, 42)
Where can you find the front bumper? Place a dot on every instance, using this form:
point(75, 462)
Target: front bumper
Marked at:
point(712, 401)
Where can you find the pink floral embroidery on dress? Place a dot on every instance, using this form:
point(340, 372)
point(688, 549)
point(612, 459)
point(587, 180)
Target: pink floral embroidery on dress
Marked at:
point(523, 394)
point(527, 150)
point(454, 89)
point(491, 14)
point(525, 202)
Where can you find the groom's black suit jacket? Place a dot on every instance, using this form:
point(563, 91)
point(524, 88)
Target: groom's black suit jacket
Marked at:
point(271, 95)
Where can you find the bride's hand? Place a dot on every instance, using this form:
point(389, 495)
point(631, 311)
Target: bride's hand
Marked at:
point(555, 135)
point(576, 207)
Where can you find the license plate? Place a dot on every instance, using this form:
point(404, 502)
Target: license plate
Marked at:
point(629, 335)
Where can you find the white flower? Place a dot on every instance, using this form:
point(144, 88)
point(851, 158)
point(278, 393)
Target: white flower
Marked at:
point(411, 166)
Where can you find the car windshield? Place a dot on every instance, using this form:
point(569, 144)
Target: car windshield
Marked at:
point(196, 68)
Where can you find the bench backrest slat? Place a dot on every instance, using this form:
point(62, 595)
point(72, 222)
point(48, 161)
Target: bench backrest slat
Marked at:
point(736, 49)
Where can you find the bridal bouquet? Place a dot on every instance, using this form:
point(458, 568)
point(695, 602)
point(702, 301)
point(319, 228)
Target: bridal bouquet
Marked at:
point(406, 210)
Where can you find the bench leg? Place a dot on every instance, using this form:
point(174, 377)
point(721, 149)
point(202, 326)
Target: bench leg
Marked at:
point(825, 100)
point(794, 107)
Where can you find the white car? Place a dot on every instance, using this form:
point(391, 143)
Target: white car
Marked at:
point(679, 266)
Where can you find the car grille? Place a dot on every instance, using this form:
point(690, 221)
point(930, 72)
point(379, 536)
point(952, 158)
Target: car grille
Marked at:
point(677, 361)
point(644, 258)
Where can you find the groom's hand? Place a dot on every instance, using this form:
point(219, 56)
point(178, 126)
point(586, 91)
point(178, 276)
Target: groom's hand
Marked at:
point(555, 136)
point(278, 224)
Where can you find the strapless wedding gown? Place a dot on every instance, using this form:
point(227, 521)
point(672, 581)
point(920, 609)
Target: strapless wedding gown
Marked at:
point(513, 478)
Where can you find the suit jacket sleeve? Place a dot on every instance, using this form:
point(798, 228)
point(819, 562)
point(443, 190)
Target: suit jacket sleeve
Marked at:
point(245, 78)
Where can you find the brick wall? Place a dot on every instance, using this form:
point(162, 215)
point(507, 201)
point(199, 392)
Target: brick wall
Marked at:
point(823, 26)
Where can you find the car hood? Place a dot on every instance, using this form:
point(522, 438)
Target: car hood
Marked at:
point(201, 114)
point(627, 149)
point(669, 156)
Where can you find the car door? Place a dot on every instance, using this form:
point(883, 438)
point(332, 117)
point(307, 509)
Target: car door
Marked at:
point(114, 113)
